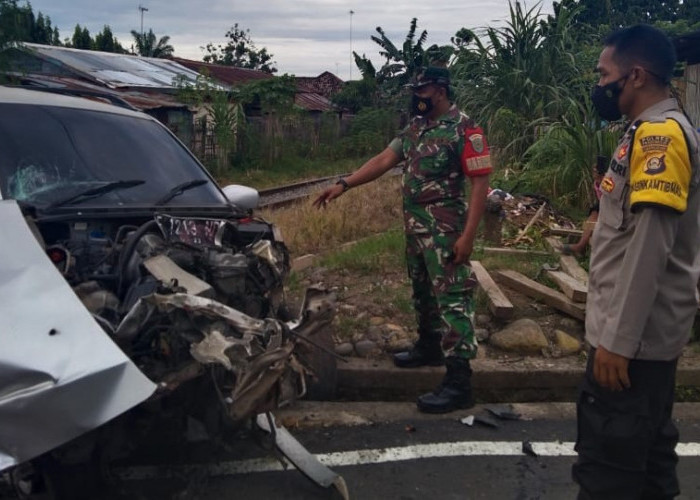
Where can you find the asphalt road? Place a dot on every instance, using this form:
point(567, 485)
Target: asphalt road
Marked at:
point(403, 455)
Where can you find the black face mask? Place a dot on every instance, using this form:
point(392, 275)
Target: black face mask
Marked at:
point(606, 100)
point(421, 106)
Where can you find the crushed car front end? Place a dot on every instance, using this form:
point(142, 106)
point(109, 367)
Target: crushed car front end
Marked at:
point(133, 278)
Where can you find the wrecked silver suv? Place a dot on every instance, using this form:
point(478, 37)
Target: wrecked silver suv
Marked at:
point(129, 278)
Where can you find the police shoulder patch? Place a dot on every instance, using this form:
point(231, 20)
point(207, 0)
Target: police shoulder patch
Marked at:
point(660, 167)
point(622, 152)
point(607, 184)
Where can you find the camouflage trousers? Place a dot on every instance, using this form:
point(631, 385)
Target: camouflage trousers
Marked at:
point(442, 293)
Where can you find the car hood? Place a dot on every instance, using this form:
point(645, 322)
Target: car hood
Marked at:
point(60, 373)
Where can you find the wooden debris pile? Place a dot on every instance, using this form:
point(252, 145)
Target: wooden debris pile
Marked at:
point(517, 220)
point(569, 297)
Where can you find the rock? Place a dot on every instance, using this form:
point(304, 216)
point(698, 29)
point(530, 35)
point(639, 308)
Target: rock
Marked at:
point(348, 308)
point(344, 349)
point(522, 336)
point(376, 321)
point(566, 343)
point(570, 324)
point(481, 334)
point(398, 344)
point(482, 352)
point(367, 349)
point(483, 319)
point(392, 328)
point(375, 332)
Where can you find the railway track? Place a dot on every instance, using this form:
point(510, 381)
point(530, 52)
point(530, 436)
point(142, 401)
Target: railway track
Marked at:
point(284, 195)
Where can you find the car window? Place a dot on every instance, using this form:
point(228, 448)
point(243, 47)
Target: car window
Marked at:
point(49, 153)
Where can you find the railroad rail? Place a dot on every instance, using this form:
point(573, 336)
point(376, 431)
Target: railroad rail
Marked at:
point(280, 196)
point(283, 195)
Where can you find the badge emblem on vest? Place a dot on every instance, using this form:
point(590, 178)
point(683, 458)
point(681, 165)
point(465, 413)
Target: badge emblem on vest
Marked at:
point(655, 165)
point(477, 141)
point(607, 184)
point(622, 152)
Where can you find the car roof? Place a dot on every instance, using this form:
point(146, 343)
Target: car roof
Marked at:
point(16, 95)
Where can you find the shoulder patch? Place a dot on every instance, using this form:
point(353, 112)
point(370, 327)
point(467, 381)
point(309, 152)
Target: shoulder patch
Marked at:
point(475, 153)
point(622, 152)
point(607, 184)
point(660, 167)
point(477, 141)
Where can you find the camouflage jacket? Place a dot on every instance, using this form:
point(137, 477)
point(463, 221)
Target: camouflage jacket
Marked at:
point(438, 156)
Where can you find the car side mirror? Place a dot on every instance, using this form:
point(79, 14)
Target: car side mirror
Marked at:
point(244, 197)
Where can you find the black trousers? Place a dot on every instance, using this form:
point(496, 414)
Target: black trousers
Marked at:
point(626, 440)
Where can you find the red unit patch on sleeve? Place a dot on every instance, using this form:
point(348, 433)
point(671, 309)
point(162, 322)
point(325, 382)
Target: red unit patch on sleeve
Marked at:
point(476, 159)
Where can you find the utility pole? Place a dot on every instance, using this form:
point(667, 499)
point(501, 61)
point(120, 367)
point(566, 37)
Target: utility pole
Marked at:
point(351, 59)
point(142, 10)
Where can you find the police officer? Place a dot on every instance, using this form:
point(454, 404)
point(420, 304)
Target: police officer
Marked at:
point(441, 147)
point(643, 272)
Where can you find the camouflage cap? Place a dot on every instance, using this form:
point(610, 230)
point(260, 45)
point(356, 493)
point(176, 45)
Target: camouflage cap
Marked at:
point(432, 74)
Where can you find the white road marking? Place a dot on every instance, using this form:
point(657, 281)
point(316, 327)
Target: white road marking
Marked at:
point(373, 456)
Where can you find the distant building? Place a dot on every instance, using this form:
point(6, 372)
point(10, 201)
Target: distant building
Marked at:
point(148, 84)
point(688, 51)
point(154, 86)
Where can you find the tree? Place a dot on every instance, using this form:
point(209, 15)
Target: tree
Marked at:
point(240, 51)
point(18, 24)
point(147, 46)
point(105, 41)
point(357, 95)
point(384, 86)
point(401, 64)
point(611, 14)
point(516, 77)
point(81, 38)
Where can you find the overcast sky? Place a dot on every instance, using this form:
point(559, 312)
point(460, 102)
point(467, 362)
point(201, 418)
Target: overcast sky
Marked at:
point(306, 37)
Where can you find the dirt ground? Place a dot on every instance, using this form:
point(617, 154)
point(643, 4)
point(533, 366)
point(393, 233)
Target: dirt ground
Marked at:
point(377, 308)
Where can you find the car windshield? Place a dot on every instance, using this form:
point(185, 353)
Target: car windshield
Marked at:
point(49, 154)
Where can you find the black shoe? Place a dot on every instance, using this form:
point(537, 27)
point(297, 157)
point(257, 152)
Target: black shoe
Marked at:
point(455, 391)
point(419, 356)
point(446, 400)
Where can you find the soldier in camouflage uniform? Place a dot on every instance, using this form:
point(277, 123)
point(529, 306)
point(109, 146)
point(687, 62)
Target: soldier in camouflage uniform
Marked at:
point(441, 146)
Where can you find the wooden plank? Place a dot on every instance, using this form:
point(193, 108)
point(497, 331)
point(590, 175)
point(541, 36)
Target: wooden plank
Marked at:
point(561, 231)
point(513, 251)
point(570, 266)
point(554, 243)
point(304, 262)
point(532, 221)
point(499, 304)
point(571, 287)
point(552, 298)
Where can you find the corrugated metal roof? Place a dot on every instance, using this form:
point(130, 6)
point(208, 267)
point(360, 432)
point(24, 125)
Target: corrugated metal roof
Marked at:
point(225, 74)
point(117, 70)
point(140, 100)
point(312, 101)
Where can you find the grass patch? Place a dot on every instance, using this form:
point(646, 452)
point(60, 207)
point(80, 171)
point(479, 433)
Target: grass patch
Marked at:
point(370, 209)
point(371, 255)
point(529, 265)
point(481, 301)
point(687, 394)
point(347, 326)
point(288, 171)
point(401, 299)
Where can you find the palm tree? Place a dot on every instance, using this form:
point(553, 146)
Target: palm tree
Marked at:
point(147, 46)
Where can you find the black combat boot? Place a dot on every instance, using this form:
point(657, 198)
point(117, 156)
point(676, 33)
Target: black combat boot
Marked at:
point(426, 352)
point(455, 391)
